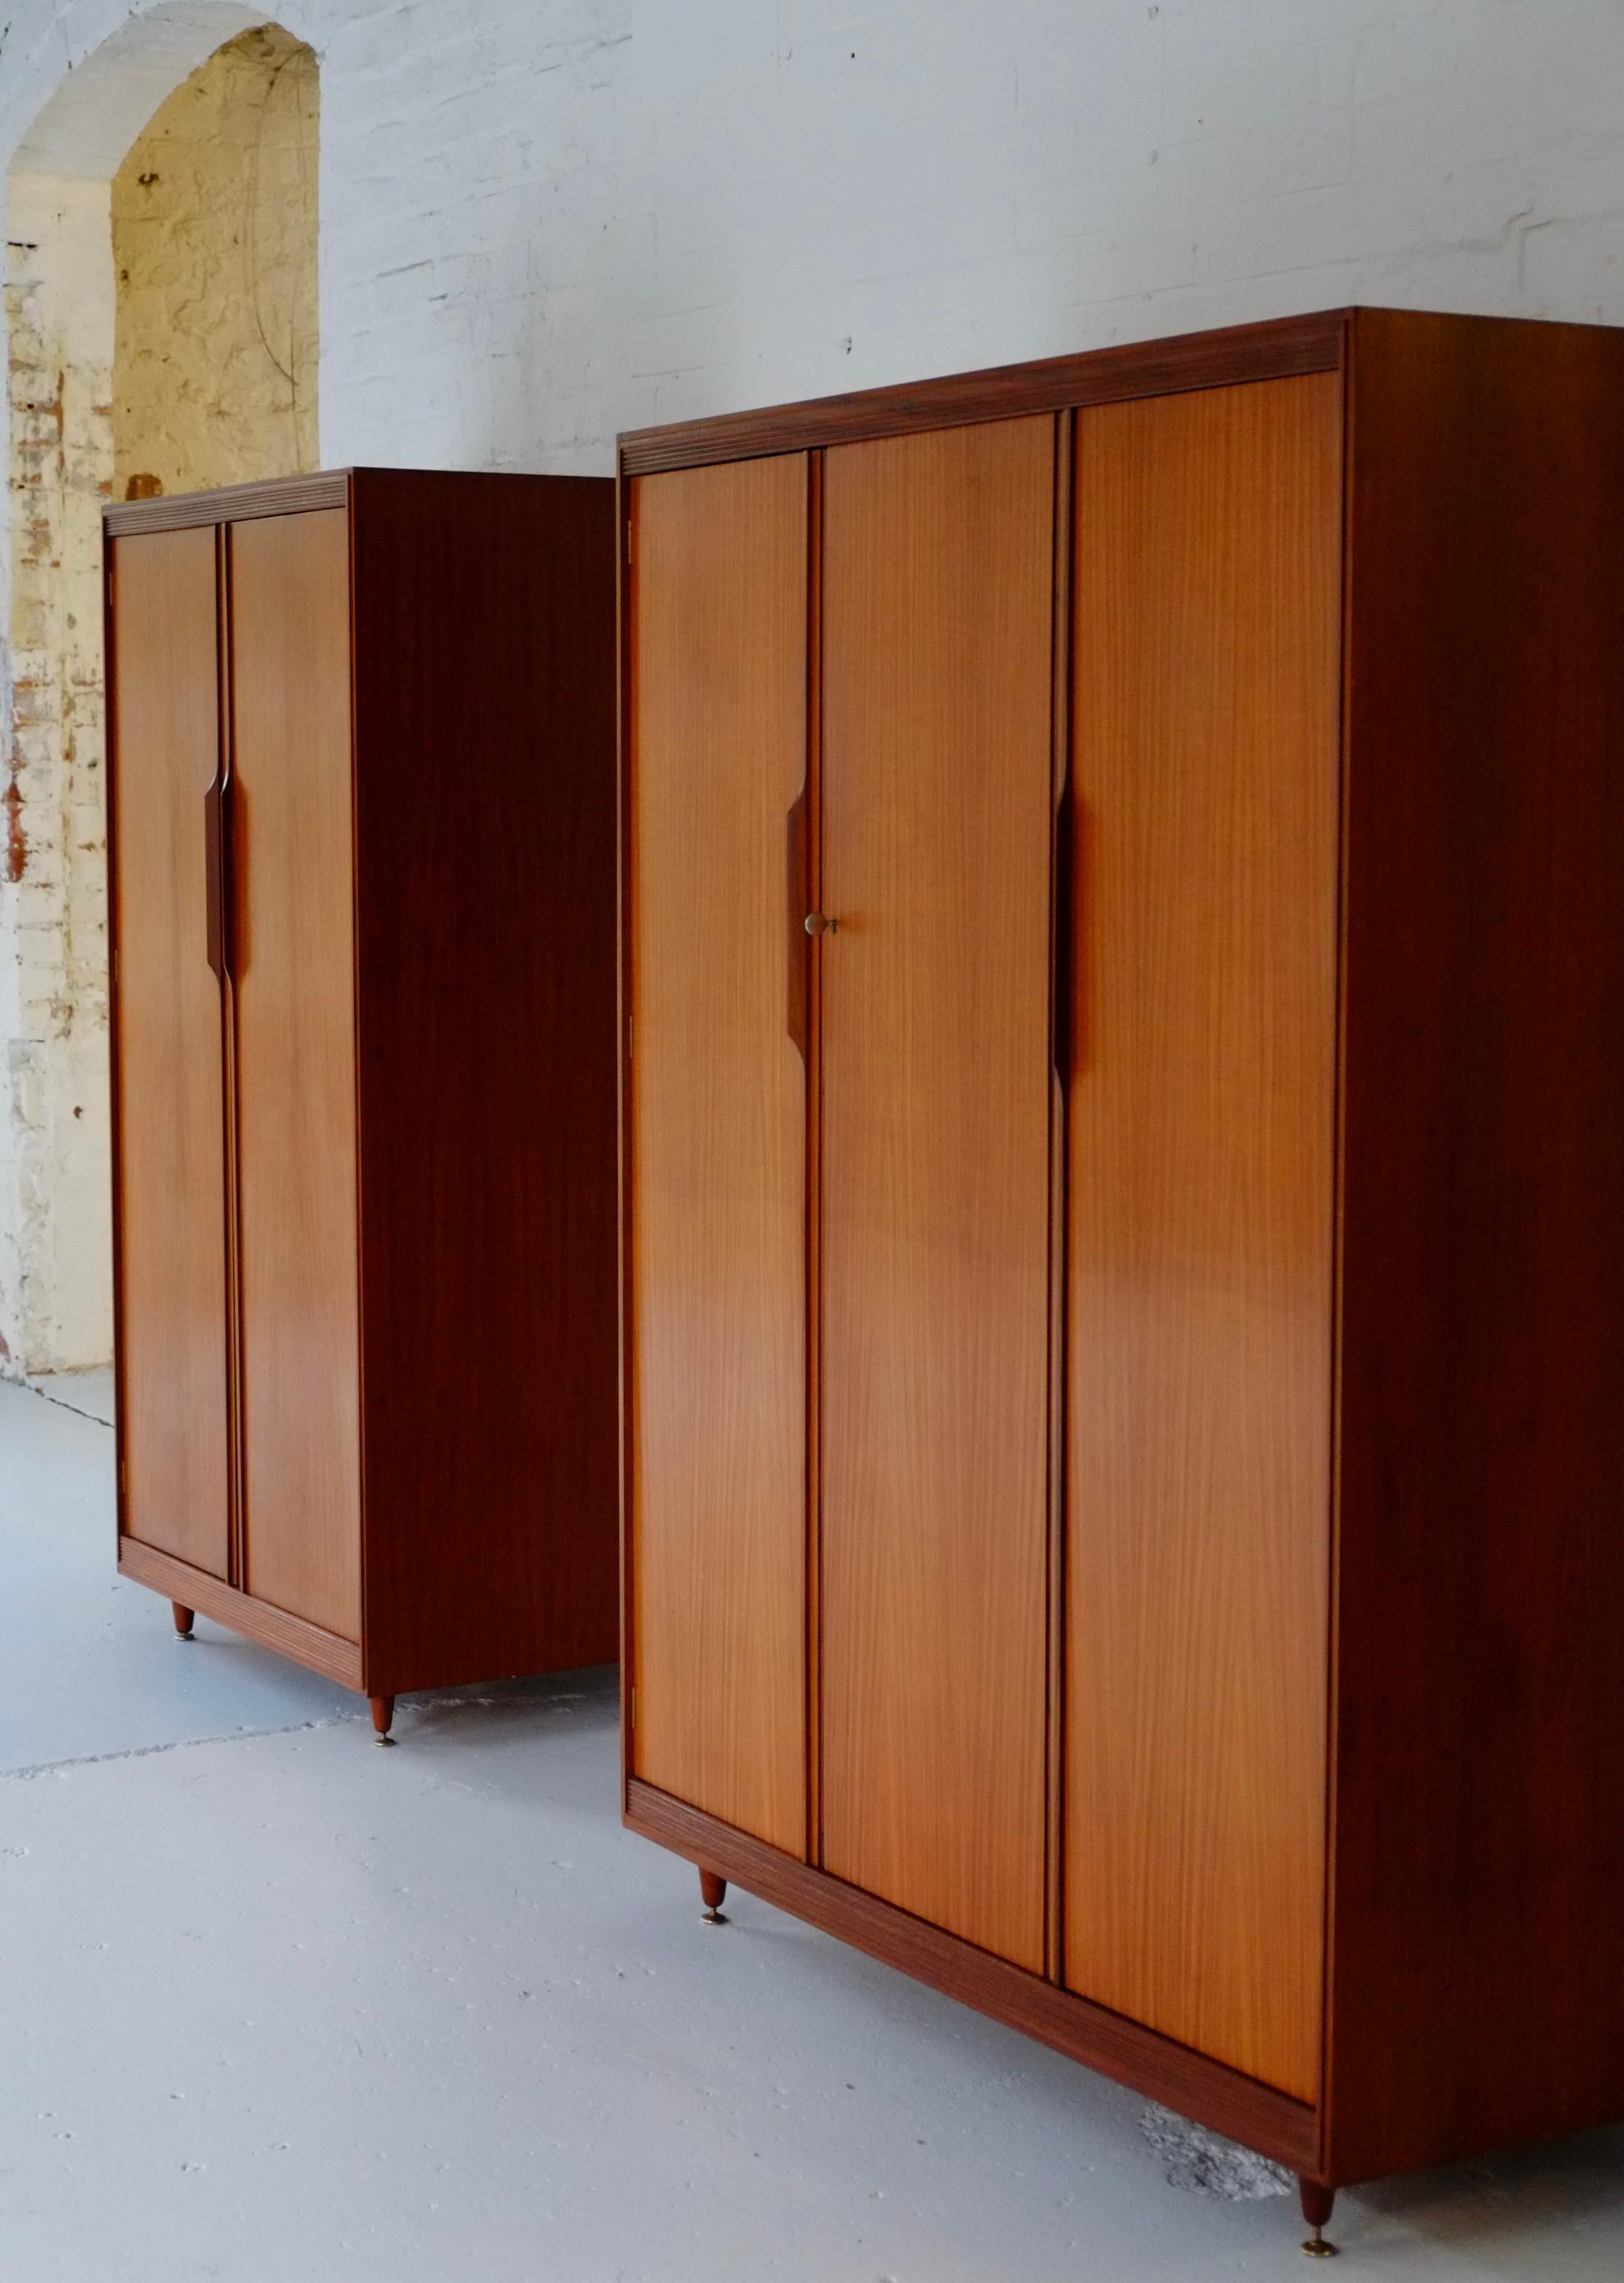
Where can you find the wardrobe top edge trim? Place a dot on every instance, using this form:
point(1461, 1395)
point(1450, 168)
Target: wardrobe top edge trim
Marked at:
point(1277, 349)
point(230, 504)
point(298, 495)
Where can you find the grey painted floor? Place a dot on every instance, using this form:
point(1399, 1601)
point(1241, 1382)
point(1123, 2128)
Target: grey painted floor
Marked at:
point(279, 2008)
point(88, 1391)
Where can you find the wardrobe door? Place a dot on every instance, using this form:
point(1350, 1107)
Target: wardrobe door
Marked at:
point(296, 1061)
point(1201, 1104)
point(717, 1335)
point(173, 1408)
point(934, 1234)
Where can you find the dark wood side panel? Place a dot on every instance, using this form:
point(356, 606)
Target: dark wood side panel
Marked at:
point(716, 1340)
point(1480, 1835)
point(1220, 2098)
point(934, 1236)
point(174, 1433)
point(1210, 360)
point(485, 713)
point(294, 964)
point(1206, 726)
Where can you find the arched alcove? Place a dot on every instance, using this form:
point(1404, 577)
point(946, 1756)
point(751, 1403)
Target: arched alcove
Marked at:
point(213, 249)
point(186, 143)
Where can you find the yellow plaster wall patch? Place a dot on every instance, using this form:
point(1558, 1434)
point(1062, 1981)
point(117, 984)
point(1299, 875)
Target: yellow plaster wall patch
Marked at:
point(214, 260)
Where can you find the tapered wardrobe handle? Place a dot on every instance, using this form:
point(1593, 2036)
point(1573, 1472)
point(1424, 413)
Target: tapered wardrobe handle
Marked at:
point(1063, 993)
point(797, 854)
point(217, 872)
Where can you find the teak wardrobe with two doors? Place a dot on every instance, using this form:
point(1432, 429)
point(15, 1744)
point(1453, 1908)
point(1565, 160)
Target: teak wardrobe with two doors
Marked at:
point(361, 838)
point(1123, 1130)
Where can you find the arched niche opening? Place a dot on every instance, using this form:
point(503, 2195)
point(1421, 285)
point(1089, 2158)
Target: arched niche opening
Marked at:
point(160, 334)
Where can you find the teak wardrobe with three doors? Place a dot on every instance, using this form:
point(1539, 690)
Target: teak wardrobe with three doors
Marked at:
point(1124, 1203)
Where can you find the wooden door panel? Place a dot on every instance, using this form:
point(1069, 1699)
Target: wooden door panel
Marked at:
point(1206, 743)
point(174, 1416)
point(934, 1237)
point(719, 1147)
point(296, 1056)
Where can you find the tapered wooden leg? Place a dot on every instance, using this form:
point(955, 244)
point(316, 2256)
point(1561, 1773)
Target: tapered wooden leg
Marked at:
point(182, 1620)
point(712, 1890)
point(383, 1714)
point(1316, 2202)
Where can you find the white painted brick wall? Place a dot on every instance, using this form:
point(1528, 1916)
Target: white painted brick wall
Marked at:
point(544, 220)
point(541, 221)
point(540, 224)
point(556, 229)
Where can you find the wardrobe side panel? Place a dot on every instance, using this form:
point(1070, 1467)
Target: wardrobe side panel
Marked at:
point(294, 965)
point(1208, 592)
point(174, 1433)
point(716, 1344)
point(1477, 1999)
point(935, 1242)
point(486, 930)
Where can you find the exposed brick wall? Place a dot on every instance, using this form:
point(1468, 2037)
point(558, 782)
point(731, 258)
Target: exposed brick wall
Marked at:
point(213, 225)
point(55, 1039)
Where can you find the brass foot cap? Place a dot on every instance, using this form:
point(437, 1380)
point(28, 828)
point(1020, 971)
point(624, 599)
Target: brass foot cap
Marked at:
point(714, 1918)
point(1317, 2248)
point(382, 1740)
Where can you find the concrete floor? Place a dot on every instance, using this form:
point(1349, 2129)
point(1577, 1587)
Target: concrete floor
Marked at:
point(88, 1392)
point(279, 2008)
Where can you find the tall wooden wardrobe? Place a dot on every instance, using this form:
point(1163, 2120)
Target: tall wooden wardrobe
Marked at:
point(1124, 1207)
point(361, 823)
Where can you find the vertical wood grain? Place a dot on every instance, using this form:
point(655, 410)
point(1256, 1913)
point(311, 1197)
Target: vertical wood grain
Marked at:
point(1059, 920)
point(814, 1165)
point(934, 1227)
point(172, 1422)
point(718, 1333)
point(296, 1063)
point(1206, 727)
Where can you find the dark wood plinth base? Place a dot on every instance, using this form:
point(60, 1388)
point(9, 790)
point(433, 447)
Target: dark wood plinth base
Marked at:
point(257, 1621)
point(190, 1590)
point(1255, 2115)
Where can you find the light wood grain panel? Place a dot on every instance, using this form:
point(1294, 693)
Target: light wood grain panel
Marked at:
point(174, 1430)
point(296, 1051)
point(1206, 714)
point(718, 1339)
point(935, 1232)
